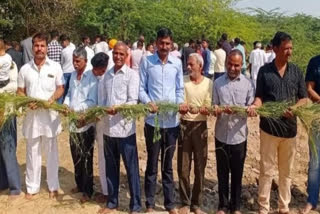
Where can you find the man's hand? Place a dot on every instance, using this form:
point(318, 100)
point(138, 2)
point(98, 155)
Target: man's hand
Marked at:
point(204, 110)
point(217, 111)
point(183, 108)
point(251, 110)
point(111, 111)
point(227, 110)
point(288, 113)
point(193, 110)
point(81, 122)
point(51, 100)
point(33, 105)
point(153, 107)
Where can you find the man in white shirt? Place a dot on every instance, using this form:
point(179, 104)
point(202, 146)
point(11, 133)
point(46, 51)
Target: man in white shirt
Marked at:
point(81, 96)
point(66, 62)
point(136, 56)
point(135, 44)
point(257, 59)
point(100, 63)
point(90, 52)
point(101, 45)
point(121, 86)
point(219, 65)
point(9, 168)
point(41, 78)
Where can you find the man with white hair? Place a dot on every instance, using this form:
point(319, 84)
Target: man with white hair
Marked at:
point(257, 59)
point(175, 51)
point(193, 137)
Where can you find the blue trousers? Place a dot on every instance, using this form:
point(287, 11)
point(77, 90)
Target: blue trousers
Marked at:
point(127, 148)
point(314, 172)
point(66, 77)
point(166, 145)
point(9, 168)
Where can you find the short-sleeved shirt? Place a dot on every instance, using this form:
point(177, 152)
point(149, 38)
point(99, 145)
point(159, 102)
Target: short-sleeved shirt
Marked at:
point(313, 72)
point(272, 87)
point(41, 85)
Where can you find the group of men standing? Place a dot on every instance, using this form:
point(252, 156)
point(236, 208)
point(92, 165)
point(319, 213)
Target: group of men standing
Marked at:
point(159, 79)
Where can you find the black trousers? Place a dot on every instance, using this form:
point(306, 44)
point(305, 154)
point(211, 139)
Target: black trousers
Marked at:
point(167, 146)
point(81, 145)
point(230, 159)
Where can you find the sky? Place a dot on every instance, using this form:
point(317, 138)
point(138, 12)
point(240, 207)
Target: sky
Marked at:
point(290, 7)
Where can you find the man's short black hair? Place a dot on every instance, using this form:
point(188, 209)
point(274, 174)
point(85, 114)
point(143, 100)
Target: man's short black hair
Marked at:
point(191, 41)
point(139, 44)
point(84, 38)
point(164, 32)
point(64, 37)
point(280, 37)
point(41, 37)
point(54, 34)
point(100, 60)
point(224, 36)
point(237, 41)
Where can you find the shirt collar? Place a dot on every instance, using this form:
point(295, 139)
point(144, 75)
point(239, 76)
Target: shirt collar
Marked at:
point(123, 69)
point(47, 62)
point(236, 79)
point(170, 58)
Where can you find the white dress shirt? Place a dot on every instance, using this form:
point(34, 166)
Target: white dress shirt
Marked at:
point(121, 87)
point(67, 58)
point(136, 56)
point(5, 66)
point(90, 55)
point(13, 78)
point(101, 47)
point(41, 84)
point(257, 59)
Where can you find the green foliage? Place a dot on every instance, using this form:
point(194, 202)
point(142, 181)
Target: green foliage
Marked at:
point(126, 19)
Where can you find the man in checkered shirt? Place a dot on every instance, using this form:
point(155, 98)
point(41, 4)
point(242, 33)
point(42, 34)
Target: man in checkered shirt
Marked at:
point(54, 48)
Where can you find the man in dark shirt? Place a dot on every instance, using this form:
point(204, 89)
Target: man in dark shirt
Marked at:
point(313, 88)
point(278, 81)
point(225, 44)
point(186, 51)
point(15, 55)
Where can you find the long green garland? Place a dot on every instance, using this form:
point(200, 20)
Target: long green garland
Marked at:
point(12, 105)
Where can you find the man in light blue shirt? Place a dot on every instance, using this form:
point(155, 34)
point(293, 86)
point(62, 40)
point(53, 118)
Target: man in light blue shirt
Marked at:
point(82, 95)
point(241, 48)
point(161, 80)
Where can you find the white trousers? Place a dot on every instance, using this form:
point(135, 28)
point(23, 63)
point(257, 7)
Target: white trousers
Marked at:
point(101, 159)
point(34, 161)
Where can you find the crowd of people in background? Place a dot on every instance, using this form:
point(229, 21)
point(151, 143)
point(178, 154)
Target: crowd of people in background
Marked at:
point(200, 74)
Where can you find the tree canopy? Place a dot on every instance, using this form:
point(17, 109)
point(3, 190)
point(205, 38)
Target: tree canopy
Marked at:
point(187, 19)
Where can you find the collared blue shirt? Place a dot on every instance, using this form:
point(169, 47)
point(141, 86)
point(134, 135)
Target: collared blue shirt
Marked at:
point(82, 94)
point(241, 48)
point(161, 82)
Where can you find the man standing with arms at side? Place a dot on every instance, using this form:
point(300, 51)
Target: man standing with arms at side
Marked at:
point(161, 80)
point(231, 131)
point(194, 136)
point(278, 81)
point(41, 78)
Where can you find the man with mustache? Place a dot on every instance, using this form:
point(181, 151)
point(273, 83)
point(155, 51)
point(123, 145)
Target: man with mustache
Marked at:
point(41, 78)
point(193, 135)
point(161, 80)
point(231, 131)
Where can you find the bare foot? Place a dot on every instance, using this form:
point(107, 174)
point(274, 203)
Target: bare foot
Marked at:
point(220, 212)
point(106, 211)
point(198, 211)
point(184, 210)
point(100, 198)
point(306, 209)
point(13, 197)
point(29, 196)
point(84, 199)
point(75, 190)
point(53, 194)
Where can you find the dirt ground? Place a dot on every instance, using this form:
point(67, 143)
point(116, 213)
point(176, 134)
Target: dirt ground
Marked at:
point(69, 203)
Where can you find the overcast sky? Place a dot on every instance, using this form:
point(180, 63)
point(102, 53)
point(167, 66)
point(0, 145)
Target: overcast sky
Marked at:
point(309, 7)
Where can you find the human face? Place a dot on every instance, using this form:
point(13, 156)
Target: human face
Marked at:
point(164, 46)
point(119, 55)
point(204, 44)
point(284, 51)
point(40, 49)
point(79, 63)
point(87, 41)
point(234, 65)
point(64, 43)
point(99, 71)
point(194, 68)
point(151, 48)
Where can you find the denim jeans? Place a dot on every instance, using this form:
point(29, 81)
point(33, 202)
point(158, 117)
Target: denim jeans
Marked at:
point(314, 172)
point(127, 148)
point(9, 168)
point(66, 77)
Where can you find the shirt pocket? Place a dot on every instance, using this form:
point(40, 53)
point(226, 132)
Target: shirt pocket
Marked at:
point(240, 96)
point(48, 84)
